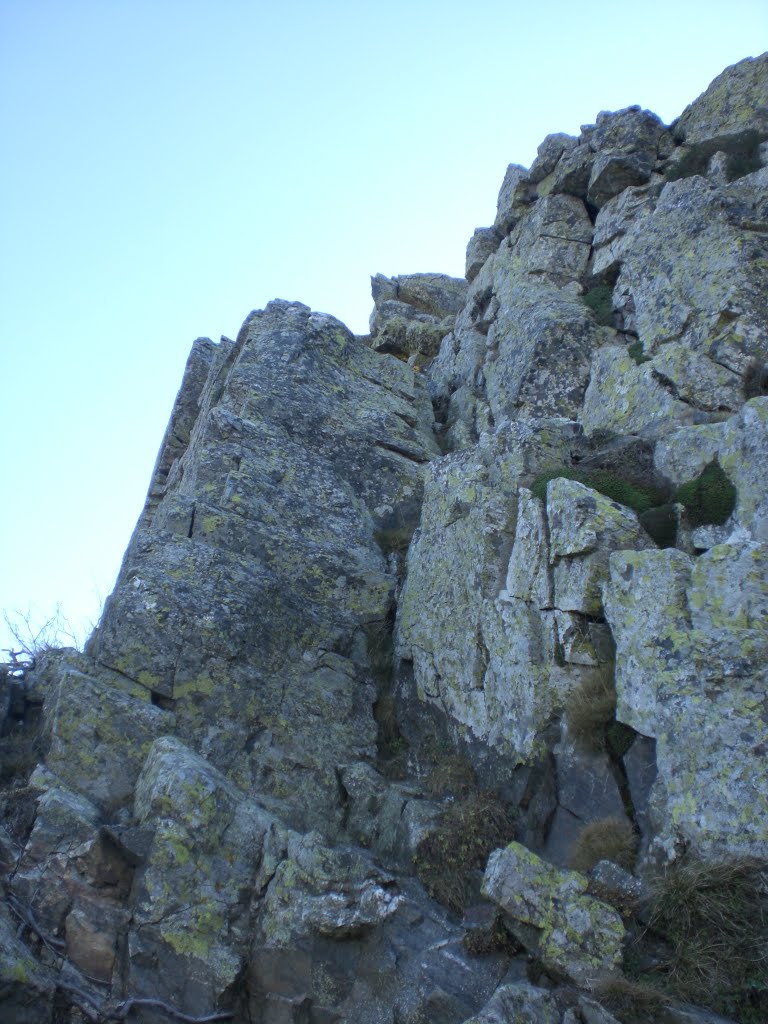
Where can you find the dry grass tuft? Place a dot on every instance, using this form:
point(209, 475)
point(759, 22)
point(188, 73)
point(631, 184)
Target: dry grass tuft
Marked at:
point(715, 918)
point(453, 775)
point(469, 830)
point(631, 1001)
point(590, 710)
point(611, 839)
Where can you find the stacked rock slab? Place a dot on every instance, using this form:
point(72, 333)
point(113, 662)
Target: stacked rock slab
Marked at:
point(215, 825)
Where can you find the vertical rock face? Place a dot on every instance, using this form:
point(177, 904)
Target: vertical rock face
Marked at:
point(257, 580)
point(502, 560)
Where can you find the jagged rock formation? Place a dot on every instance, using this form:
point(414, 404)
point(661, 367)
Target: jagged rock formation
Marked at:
point(511, 548)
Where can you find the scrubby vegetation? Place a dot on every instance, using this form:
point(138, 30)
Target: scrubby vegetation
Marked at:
point(632, 1002)
point(469, 830)
point(710, 498)
point(640, 497)
point(715, 918)
point(611, 839)
point(635, 350)
point(600, 301)
point(591, 715)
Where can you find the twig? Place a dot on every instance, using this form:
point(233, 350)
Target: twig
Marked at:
point(123, 1009)
point(25, 915)
point(97, 1008)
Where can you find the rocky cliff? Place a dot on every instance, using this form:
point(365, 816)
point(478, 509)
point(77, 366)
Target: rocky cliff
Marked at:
point(433, 685)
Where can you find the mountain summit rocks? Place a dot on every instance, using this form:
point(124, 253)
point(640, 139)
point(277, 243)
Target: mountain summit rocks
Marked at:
point(388, 591)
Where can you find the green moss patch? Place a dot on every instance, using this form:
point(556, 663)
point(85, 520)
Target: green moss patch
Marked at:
point(637, 496)
point(600, 301)
point(710, 498)
point(661, 524)
point(635, 351)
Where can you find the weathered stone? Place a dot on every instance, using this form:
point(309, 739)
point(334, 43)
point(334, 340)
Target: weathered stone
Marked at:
point(470, 652)
point(523, 341)
point(529, 577)
point(617, 216)
point(514, 196)
point(549, 911)
point(26, 987)
point(584, 527)
point(740, 445)
point(99, 735)
point(693, 274)
point(483, 243)
point(732, 110)
point(258, 576)
point(548, 154)
point(387, 818)
point(189, 902)
point(337, 930)
point(631, 130)
point(624, 397)
point(612, 884)
point(436, 294)
point(587, 791)
point(572, 173)
point(520, 1002)
point(93, 928)
point(691, 643)
point(640, 766)
point(613, 172)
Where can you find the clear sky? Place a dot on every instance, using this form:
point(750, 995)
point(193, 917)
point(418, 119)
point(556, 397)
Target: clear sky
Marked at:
point(169, 165)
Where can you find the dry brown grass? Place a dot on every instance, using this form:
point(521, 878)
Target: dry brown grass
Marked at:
point(715, 918)
point(633, 1002)
point(467, 833)
point(453, 775)
point(590, 711)
point(611, 839)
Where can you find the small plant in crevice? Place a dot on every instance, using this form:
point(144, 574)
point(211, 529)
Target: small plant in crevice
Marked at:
point(494, 939)
point(468, 831)
point(611, 839)
point(714, 918)
point(600, 300)
point(710, 498)
point(635, 351)
point(631, 1002)
point(590, 711)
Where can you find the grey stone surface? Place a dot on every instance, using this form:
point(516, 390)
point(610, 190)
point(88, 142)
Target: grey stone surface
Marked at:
point(342, 588)
point(549, 911)
point(248, 602)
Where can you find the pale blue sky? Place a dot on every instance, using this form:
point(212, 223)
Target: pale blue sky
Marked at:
point(169, 166)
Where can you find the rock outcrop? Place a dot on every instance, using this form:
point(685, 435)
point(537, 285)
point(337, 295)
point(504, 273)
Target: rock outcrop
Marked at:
point(497, 569)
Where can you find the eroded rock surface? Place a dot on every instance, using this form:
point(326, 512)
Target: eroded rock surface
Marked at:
point(379, 583)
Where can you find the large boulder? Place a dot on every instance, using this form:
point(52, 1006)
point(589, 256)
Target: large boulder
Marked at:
point(730, 117)
point(575, 935)
point(414, 312)
point(253, 589)
point(691, 643)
